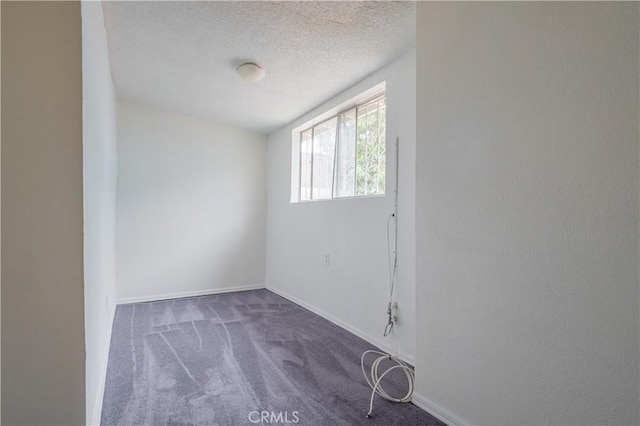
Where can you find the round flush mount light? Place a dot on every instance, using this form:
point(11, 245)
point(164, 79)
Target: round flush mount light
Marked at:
point(250, 71)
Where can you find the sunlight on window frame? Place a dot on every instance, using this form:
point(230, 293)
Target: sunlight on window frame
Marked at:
point(344, 149)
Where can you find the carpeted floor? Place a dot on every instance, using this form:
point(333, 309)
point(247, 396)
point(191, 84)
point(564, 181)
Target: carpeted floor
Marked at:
point(240, 358)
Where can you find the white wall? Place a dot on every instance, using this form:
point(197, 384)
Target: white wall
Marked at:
point(100, 176)
point(43, 358)
point(354, 289)
point(190, 206)
point(527, 212)
point(0, 226)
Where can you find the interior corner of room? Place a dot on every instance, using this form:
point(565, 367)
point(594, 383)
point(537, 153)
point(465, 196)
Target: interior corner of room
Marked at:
point(153, 152)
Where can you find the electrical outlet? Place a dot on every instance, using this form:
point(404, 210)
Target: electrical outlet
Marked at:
point(327, 259)
point(394, 311)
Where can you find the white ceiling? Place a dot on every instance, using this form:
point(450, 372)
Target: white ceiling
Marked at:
point(182, 56)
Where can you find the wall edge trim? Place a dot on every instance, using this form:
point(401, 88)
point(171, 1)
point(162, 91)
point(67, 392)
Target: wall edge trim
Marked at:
point(406, 357)
point(181, 294)
point(437, 411)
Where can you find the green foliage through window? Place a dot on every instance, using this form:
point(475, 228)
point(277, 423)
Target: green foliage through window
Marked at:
point(345, 155)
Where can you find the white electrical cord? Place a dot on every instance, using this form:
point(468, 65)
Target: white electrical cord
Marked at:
point(374, 378)
point(393, 269)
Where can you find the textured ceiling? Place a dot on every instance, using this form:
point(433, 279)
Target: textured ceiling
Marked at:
point(182, 56)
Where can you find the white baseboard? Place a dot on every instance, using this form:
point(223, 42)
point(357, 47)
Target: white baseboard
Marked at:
point(155, 297)
point(387, 347)
point(436, 411)
point(97, 404)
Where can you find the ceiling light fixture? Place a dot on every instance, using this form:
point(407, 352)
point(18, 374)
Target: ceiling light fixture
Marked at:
point(250, 71)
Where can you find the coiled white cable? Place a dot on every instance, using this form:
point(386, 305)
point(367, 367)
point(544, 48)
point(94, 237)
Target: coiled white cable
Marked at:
point(376, 379)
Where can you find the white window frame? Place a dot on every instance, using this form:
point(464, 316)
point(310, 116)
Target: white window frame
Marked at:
point(296, 134)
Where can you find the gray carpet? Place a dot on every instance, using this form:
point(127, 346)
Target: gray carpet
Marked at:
point(241, 358)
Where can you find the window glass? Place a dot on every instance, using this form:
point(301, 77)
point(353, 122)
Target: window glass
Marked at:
point(345, 155)
point(324, 147)
point(305, 165)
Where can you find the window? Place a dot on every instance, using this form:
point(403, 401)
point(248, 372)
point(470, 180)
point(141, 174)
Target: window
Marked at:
point(343, 155)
